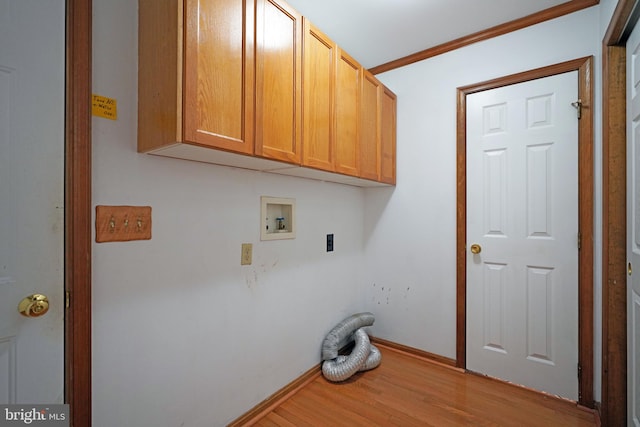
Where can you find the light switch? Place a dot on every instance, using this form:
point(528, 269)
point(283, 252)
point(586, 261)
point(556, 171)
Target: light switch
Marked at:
point(123, 223)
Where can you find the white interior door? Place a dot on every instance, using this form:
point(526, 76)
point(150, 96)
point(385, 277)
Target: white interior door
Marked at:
point(522, 211)
point(32, 99)
point(633, 226)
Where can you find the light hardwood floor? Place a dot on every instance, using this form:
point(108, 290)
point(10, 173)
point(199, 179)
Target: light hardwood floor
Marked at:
point(408, 391)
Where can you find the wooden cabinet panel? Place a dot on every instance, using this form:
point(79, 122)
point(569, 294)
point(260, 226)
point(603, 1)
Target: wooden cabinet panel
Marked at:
point(159, 73)
point(219, 74)
point(388, 138)
point(347, 114)
point(370, 126)
point(318, 99)
point(278, 81)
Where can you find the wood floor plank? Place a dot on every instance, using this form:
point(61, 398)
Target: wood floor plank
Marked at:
point(365, 404)
point(275, 420)
point(408, 391)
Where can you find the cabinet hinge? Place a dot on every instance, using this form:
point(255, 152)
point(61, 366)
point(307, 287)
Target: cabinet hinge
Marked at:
point(67, 299)
point(579, 240)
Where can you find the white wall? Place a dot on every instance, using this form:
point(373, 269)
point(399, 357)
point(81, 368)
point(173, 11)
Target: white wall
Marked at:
point(410, 233)
point(182, 334)
point(606, 12)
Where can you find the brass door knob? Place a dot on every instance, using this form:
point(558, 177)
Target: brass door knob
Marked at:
point(34, 305)
point(476, 249)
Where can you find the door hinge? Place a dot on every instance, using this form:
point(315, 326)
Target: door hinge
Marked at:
point(578, 106)
point(67, 299)
point(579, 381)
point(579, 372)
point(579, 240)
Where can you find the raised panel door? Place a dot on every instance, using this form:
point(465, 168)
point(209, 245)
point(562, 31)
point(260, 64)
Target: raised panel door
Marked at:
point(278, 81)
point(219, 74)
point(347, 114)
point(318, 104)
point(522, 211)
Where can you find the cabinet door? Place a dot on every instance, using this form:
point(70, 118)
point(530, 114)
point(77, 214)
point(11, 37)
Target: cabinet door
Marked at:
point(278, 81)
point(318, 103)
point(370, 107)
point(347, 113)
point(388, 138)
point(219, 74)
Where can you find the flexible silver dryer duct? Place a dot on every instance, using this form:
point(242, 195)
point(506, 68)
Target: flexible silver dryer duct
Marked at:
point(364, 355)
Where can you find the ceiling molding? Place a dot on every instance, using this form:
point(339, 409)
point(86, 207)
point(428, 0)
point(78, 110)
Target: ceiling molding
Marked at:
point(498, 30)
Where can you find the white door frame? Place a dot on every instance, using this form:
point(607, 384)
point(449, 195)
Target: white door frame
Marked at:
point(584, 66)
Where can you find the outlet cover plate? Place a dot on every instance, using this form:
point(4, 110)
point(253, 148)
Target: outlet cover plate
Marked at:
point(247, 254)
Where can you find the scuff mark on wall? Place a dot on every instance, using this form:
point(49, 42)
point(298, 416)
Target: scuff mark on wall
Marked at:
point(263, 267)
point(383, 296)
point(251, 279)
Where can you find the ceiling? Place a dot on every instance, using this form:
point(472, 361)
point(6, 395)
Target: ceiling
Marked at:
point(378, 31)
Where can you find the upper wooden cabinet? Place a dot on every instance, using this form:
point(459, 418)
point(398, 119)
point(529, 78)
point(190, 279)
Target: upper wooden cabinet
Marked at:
point(217, 106)
point(252, 84)
point(347, 114)
point(318, 99)
point(278, 81)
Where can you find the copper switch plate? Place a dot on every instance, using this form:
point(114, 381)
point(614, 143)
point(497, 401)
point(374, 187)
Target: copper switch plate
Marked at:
point(122, 223)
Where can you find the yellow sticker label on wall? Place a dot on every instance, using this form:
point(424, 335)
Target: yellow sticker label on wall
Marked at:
point(101, 106)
